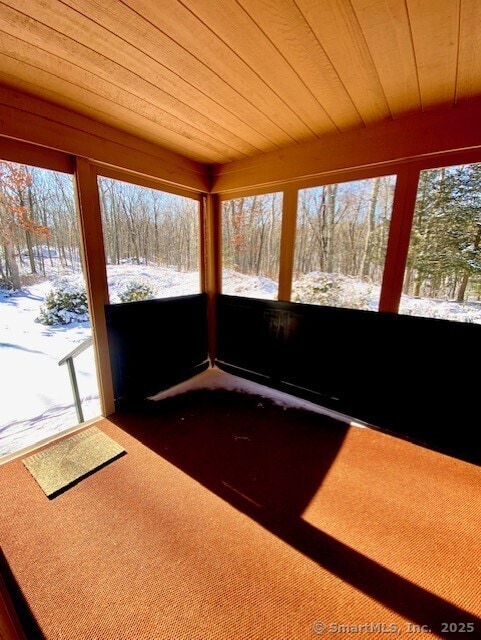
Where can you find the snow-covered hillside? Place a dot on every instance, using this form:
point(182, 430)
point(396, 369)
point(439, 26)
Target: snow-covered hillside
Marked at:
point(36, 397)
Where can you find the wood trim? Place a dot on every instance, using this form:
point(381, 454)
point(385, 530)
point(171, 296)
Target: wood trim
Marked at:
point(29, 119)
point(466, 156)
point(202, 244)
point(421, 136)
point(330, 177)
point(96, 276)
point(288, 239)
point(363, 173)
point(213, 266)
point(32, 155)
point(122, 175)
point(248, 192)
point(399, 236)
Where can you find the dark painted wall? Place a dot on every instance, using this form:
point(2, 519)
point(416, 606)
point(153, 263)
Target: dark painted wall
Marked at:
point(415, 377)
point(155, 344)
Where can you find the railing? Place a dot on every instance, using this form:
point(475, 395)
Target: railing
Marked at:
point(68, 360)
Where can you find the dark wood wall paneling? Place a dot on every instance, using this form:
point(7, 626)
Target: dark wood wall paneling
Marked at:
point(405, 375)
point(155, 344)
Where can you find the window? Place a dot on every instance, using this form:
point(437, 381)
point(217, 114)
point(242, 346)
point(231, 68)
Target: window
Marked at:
point(341, 240)
point(151, 241)
point(251, 232)
point(443, 273)
point(44, 313)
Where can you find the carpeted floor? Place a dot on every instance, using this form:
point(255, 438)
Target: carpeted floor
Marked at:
point(232, 518)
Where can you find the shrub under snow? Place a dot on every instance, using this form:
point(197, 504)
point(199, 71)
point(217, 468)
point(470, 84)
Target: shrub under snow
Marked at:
point(332, 289)
point(65, 303)
point(136, 291)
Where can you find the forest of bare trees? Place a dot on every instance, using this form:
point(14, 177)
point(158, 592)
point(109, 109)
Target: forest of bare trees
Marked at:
point(38, 222)
point(146, 226)
point(251, 234)
point(344, 228)
point(341, 229)
point(39, 225)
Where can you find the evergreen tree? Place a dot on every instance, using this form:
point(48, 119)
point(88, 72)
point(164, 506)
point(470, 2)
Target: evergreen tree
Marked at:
point(445, 250)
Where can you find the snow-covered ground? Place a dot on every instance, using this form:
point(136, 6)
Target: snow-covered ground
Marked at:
point(165, 282)
point(239, 284)
point(36, 397)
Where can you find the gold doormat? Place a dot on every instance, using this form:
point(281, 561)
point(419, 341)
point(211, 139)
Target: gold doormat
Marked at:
point(65, 463)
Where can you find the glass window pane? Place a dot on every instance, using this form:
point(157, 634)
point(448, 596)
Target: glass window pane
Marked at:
point(251, 232)
point(443, 273)
point(151, 241)
point(341, 240)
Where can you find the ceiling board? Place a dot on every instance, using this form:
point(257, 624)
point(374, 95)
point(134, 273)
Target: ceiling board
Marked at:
point(189, 33)
point(387, 32)
point(435, 30)
point(68, 59)
point(244, 36)
point(221, 81)
point(469, 61)
point(115, 101)
point(178, 72)
point(35, 81)
point(337, 28)
point(284, 24)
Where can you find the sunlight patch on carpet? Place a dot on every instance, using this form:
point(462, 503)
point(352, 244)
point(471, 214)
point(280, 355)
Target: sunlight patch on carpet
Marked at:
point(63, 464)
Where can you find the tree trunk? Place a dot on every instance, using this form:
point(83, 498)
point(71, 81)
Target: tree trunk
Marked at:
point(407, 281)
point(12, 265)
point(31, 257)
point(331, 225)
point(417, 285)
point(371, 221)
point(466, 275)
point(462, 287)
point(28, 235)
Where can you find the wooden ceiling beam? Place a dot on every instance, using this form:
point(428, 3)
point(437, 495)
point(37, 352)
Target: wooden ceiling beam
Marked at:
point(29, 119)
point(426, 135)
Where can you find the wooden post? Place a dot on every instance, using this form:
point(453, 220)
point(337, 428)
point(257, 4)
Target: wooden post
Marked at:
point(213, 266)
point(96, 276)
point(202, 244)
point(399, 235)
point(288, 238)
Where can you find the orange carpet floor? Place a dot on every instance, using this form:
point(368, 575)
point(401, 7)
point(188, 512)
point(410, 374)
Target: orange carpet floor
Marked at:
point(231, 518)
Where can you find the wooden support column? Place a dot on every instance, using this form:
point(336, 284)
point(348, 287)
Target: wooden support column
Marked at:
point(399, 236)
point(212, 265)
point(288, 238)
point(96, 276)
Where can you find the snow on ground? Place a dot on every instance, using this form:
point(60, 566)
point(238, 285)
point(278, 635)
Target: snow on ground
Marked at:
point(445, 310)
point(239, 284)
point(36, 397)
point(164, 281)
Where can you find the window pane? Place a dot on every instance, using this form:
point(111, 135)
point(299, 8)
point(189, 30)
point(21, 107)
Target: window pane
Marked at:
point(251, 232)
point(43, 308)
point(151, 241)
point(443, 273)
point(341, 240)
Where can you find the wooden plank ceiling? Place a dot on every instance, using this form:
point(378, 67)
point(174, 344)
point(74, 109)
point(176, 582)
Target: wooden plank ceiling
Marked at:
point(218, 80)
